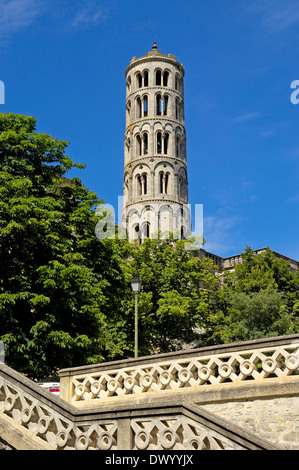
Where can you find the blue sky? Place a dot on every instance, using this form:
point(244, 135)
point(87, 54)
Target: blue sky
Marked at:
point(64, 62)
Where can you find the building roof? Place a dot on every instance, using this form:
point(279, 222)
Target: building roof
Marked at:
point(154, 53)
point(230, 261)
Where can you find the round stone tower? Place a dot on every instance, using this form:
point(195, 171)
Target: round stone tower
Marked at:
point(155, 167)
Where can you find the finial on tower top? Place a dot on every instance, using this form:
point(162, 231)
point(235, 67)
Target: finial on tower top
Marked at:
point(155, 46)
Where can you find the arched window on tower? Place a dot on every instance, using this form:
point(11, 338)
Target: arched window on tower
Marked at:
point(182, 185)
point(181, 182)
point(165, 105)
point(146, 230)
point(129, 84)
point(178, 83)
point(138, 185)
point(137, 234)
point(158, 77)
point(145, 143)
point(161, 186)
point(163, 143)
point(145, 78)
point(145, 106)
point(128, 109)
point(158, 105)
point(177, 146)
point(141, 184)
point(127, 148)
point(139, 107)
point(159, 142)
point(144, 183)
point(138, 145)
point(164, 182)
point(165, 78)
point(177, 108)
point(166, 142)
point(139, 80)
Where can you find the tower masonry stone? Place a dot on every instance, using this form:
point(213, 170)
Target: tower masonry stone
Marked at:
point(155, 163)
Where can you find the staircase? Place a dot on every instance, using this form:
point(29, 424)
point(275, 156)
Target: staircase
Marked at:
point(221, 397)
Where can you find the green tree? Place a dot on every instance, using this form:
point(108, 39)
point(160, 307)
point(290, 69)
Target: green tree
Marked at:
point(55, 275)
point(259, 299)
point(176, 298)
point(65, 296)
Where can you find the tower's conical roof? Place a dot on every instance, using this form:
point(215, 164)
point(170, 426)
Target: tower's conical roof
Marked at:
point(154, 53)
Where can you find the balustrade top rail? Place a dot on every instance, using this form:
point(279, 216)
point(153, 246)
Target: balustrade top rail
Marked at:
point(265, 359)
point(204, 351)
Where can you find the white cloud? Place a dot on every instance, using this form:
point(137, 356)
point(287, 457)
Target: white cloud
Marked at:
point(281, 17)
point(274, 15)
point(218, 234)
point(17, 14)
point(246, 117)
point(294, 199)
point(267, 133)
point(88, 15)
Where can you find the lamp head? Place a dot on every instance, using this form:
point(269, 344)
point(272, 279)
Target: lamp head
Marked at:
point(135, 285)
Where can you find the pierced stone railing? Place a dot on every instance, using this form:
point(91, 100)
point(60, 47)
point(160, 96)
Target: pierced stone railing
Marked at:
point(238, 363)
point(33, 419)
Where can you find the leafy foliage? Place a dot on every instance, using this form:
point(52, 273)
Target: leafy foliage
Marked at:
point(65, 296)
point(259, 299)
point(177, 292)
point(52, 297)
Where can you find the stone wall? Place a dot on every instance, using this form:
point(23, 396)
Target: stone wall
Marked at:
point(276, 419)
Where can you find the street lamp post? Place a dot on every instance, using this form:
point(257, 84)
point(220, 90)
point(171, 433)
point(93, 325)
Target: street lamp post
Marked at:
point(136, 286)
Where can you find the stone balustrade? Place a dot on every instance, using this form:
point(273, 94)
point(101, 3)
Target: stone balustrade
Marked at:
point(34, 419)
point(247, 392)
point(258, 361)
